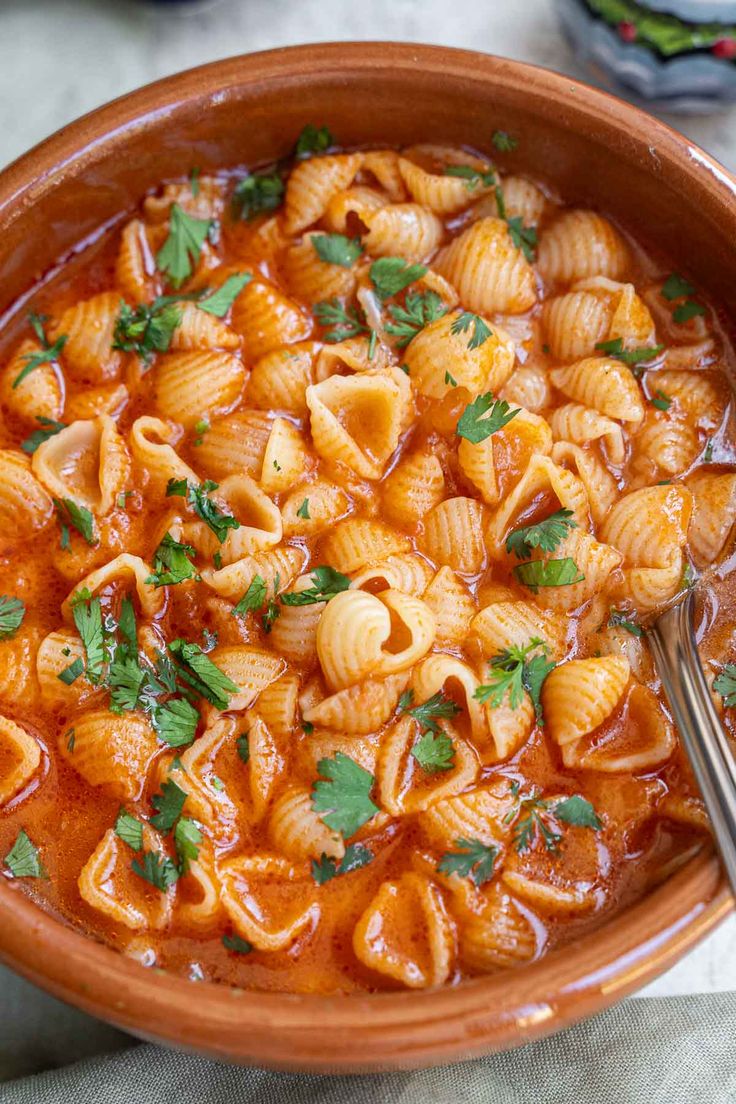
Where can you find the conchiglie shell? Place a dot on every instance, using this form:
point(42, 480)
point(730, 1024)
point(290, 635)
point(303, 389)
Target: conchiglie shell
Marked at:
point(277, 705)
point(251, 669)
point(25, 507)
point(296, 830)
point(501, 937)
point(294, 633)
point(357, 420)
point(235, 444)
point(714, 514)
point(359, 709)
point(110, 886)
point(512, 624)
point(351, 633)
point(644, 740)
point(445, 195)
point(595, 561)
point(453, 535)
point(196, 385)
point(405, 230)
point(232, 581)
point(605, 385)
point(199, 329)
point(528, 387)
point(357, 543)
point(436, 352)
point(351, 205)
point(664, 446)
point(575, 323)
point(408, 573)
point(403, 787)
point(135, 267)
point(631, 320)
point(481, 813)
point(542, 476)
point(600, 486)
point(20, 757)
point(18, 683)
point(198, 903)
point(577, 696)
point(521, 199)
point(648, 525)
point(269, 900)
point(267, 319)
point(384, 166)
point(579, 424)
point(412, 620)
point(88, 355)
point(354, 354)
point(695, 394)
point(406, 933)
point(313, 183)
point(55, 653)
point(280, 379)
point(581, 244)
point(110, 398)
point(413, 488)
point(285, 459)
point(151, 442)
point(40, 394)
point(326, 504)
point(208, 203)
point(87, 462)
point(112, 751)
point(445, 673)
point(452, 605)
point(311, 279)
point(488, 271)
point(123, 568)
point(259, 518)
point(266, 766)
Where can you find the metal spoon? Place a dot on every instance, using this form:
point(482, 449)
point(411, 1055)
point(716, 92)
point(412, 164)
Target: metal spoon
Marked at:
point(672, 639)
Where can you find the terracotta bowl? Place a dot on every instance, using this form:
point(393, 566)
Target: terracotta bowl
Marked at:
point(594, 150)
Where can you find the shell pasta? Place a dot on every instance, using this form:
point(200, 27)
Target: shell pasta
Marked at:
point(334, 497)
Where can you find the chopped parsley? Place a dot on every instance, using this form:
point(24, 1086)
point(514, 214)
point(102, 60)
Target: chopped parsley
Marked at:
point(181, 250)
point(341, 323)
point(661, 400)
point(337, 249)
point(168, 805)
point(438, 706)
point(419, 310)
point(476, 423)
point(253, 598)
point(79, 517)
point(258, 193)
point(548, 573)
point(313, 140)
point(12, 612)
point(326, 583)
point(23, 860)
point(503, 141)
point(390, 275)
point(546, 535)
point(158, 869)
point(523, 237)
point(48, 429)
point(620, 619)
point(187, 838)
point(148, 328)
point(725, 684)
point(341, 795)
point(204, 676)
point(220, 301)
point(533, 814)
point(326, 868)
point(634, 358)
point(236, 945)
point(708, 453)
point(200, 428)
point(434, 752)
point(175, 722)
point(48, 354)
point(688, 310)
point(204, 507)
point(243, 745)
point(473, 177)
point(472, 859)
point(466, 321)
point(515, 670)
point(71, 673)
point(129, 829)
point(677, 287)
point(87, 614)
point(172, 563)
point(303, 511)
point(194, 174)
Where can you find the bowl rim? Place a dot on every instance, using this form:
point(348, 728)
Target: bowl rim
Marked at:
point(317, 1033)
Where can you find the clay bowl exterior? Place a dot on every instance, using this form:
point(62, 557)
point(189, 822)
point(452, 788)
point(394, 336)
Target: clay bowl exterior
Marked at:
point(595, 150)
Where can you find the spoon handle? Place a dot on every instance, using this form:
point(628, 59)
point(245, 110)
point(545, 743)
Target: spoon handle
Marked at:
point(673, 644)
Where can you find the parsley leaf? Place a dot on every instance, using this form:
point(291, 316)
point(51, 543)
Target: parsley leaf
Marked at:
point(683, 312)
point(87, 614)
point(169, 804)
point(546, 535)
point(129, 829)
point(660, 400)
point(504, 142)
point(220, 301)
point(473, 177)
point(474, 426)
point(326, 584)
point(513, 671)
point(622, 619)
point(532, 818)
point(180, 252)
point(243, 746)
point(632, 357)
point(237, 945)
point(12, 612)
point(48, 354)
point(434, 752)
point(79, 517)
point(49, 428)
point(187, 838)
point(23, 859)
point(676, 286)
point(326, 868)
point(418, 311)
point(548, 573)
point(257, 193)
point(253, 598)
point(198, 498)
point(481, 329)
point(175, 722)
point(725, 684)
point(436, 706)
point(303, 511)
point(523, 237)
point(341, 795)
point(159, 870)
point(390, 275)
point(578, 811)
point(202, 674)
point(71, 673)
point(172, 563)
point(313, 140)
point(341, 323)
point(472, 859)
point(148, 329)
point(337, 249)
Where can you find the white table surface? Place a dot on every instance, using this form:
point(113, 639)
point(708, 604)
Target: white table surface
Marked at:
point(60, 58)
